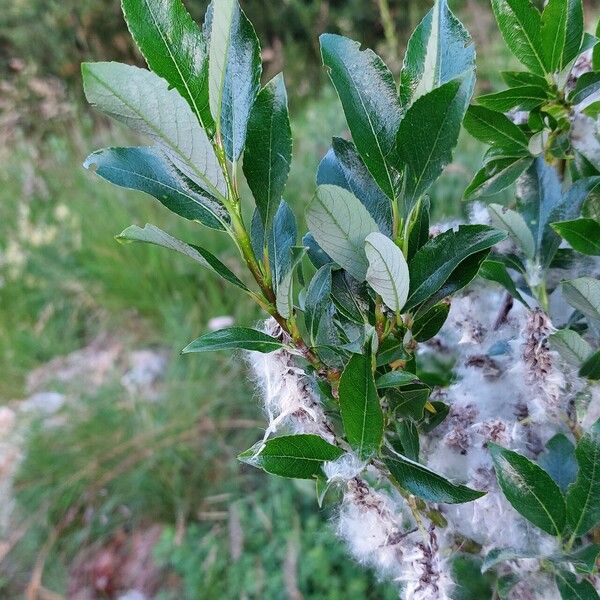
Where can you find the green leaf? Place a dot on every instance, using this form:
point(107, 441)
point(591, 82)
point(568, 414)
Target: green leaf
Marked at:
point(496, 556)
point(432, 420)
point(572, 589)
point(584, 559)
point(285, 287)
point(529, 489)
point(408, 436)
point(395, 379)
point(144, 102)
point(562, 33)
point(473, 584)
point(521, 78)
point(296, 456)
point(496, 129)
point(147, 170)
point(234, 71)
point(582, 234)
point(520, 24)
point(559, 461)
point(439, 50)
point(368, 95)
point(359, 405)
point(427, 135)
point(418, 225)
point(348, 298)
point(496, 176)
point(590, 369)
point(426, 484)
point(584, 295)
point(495, 270)
point(571, 346)
point(388, 272)
point(174, 48)
point(242, 338)
point(343, 166)
point(587, 84)
point(429, 324)
point(282, 240)
point(515, 225)
point(340, 224)
point(151, 234)
point(317, 301)
point(435, 262)
point(268, 153)
point(409, 400)
point(525, 97)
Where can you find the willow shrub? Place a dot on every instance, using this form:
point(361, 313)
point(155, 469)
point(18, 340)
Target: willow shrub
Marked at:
point(352, 306)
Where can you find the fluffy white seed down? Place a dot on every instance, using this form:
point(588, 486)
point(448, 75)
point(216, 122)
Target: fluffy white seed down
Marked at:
point(288, 397)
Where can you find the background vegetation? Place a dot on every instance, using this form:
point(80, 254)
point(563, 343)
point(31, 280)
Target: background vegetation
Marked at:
point(119, 453)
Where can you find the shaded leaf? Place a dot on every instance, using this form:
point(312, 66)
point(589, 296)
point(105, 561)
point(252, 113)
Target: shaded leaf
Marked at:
point(571, 588)
point(591, 367)
point(571, 346)
point(408, 436)
point(317, 301)
point(582, 234)
point(395, 379)
point(429, 324)
point(559, 460)
point(496, 271)
point(516, 226)
point(496, 176)
point(584, 295)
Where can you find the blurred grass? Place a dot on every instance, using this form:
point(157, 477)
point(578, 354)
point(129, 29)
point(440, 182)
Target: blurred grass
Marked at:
point(120, 462)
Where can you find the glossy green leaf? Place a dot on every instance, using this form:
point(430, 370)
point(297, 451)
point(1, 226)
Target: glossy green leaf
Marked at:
point(571, 346)
point(408, 436)
point(232, 338)
point(340, 224)
point(512, 222)
point(435, 262)
point(268, 153)
point(525, 97)
point(559, 461)
point(429, 324)
point(439, 50)
point(562, 33)
point(582, 234)
point(234, 71)
point(590, 369)
point(494, 270)
point(151, 234)
point(584, 295)
point(496, 129)
point(388, 272)
point(296, 456)
point(529, 489)
point(174, 48)
point(343, 166)
point(317, 301)
point(571, 588)
point(496, 176)
point(348, 298)
point(395, 379)
point(428, 134)
point(368, 95)
point(148, 170)
point(360, 408)
point(519, 22)
point(426, 484)
point(144, 102)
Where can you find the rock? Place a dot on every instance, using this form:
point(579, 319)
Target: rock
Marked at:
point(146, 368)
